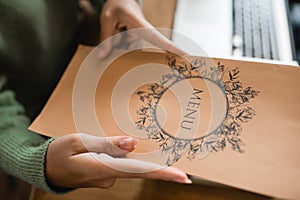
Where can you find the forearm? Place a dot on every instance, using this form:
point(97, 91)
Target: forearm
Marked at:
point(24, 158)
point(22, 152)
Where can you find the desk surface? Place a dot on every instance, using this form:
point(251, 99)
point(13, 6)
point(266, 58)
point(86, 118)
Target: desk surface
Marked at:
point(136, 189)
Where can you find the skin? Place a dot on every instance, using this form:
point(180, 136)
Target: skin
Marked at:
point(69, 163)
point(73, 164)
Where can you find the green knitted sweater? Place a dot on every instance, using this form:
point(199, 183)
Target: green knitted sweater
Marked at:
point(22, 152)
point(36, 43)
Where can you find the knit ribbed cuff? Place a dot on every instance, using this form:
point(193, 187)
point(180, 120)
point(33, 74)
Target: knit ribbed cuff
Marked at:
point(24, 156)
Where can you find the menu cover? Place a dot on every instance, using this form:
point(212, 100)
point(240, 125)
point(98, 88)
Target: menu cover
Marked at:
point(227, 121)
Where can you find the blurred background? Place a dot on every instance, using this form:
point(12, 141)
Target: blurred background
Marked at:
point(295, 22)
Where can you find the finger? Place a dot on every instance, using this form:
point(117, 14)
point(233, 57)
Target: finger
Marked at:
point(103, 183)
point(114, 146)
point(108, 28)
point(86, 6)
point(131, 168)
point(152, 35)
point(156, 38)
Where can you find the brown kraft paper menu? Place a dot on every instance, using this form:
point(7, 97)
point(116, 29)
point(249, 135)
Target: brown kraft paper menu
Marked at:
point(228, 121)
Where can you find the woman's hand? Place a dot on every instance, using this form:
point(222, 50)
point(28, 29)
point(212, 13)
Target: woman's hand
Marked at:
point(74, 161)
point(125, 15)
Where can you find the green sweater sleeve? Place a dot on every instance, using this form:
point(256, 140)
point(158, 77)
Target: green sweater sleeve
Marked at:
point(22, 152)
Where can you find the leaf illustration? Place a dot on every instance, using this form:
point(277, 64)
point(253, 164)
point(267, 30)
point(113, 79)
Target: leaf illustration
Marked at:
point(245, 115)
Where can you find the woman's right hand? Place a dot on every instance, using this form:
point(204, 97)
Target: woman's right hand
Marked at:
point(72, 164)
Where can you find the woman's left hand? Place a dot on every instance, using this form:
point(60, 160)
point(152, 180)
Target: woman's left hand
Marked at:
point(126, 14)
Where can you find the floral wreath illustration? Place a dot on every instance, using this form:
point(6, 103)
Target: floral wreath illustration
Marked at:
point(227, 134)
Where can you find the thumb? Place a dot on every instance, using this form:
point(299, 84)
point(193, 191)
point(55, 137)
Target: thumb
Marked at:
point(105, 48)
point(113, 146)
point(108, 28)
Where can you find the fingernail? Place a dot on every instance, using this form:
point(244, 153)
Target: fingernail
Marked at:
point(185, 181)
point(188, 181)
point(128, 144)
